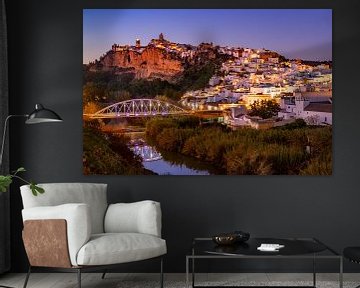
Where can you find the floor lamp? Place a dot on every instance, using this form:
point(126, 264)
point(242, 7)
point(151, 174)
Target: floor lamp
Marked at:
point(39, 115)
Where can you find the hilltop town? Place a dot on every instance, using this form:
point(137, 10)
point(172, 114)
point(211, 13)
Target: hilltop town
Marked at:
point(303, 89)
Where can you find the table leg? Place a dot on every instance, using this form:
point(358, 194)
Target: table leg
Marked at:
point(187, 272)
point(341, 273)
point(193, 272)
point(314, 271)
point(193, 267)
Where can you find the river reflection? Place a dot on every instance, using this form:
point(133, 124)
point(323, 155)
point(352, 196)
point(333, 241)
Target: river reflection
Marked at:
point(154, 161)
point(146, 152)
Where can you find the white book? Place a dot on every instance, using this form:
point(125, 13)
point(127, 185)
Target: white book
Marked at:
point(270, 247)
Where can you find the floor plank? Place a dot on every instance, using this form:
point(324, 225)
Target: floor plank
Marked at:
point(117, 280)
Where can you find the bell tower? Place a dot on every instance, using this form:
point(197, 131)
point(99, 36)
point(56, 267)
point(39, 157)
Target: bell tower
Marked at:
point(137, 43)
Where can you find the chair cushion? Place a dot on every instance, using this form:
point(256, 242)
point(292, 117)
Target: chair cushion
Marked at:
point(352, 253)
point(114, 248)
point(137, 217)
point(92, 194)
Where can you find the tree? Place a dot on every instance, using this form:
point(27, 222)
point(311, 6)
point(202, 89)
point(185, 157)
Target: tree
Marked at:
point(119, 96)
point(94, 92)
point(90, 108)
point(108, 154)
point(264, 108)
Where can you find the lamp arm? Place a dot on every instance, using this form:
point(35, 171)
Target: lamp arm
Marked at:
point(4, 134)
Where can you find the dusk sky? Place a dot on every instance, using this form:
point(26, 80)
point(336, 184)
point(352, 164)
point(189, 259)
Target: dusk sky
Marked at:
point(294, 33)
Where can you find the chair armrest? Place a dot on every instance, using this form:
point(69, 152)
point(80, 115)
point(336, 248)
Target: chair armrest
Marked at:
point(52, 250)
point(138, 217)
point(78, 223)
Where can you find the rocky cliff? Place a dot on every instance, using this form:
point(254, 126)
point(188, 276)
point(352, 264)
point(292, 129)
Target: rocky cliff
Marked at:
point(150, 62)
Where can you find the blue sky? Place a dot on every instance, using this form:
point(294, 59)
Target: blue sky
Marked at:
point(295, 33)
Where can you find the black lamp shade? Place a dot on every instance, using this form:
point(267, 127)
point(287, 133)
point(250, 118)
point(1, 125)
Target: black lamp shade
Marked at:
point(42, 115)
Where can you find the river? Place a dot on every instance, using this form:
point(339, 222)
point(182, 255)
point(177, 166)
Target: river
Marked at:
point(166, 163)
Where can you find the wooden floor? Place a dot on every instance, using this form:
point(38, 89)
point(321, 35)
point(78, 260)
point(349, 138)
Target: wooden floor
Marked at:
point(117, 280)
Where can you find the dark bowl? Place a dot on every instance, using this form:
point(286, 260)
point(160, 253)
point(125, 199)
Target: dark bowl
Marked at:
point(225, 239)
point(241, 236)
point(231, 238)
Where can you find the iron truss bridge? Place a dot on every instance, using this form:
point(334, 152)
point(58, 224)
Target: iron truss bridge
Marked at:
point(138, 108)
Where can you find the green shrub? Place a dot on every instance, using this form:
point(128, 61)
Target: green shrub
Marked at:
point(247, 151)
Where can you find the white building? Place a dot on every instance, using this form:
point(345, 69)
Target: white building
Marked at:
point(318, 114)
point(313, 113)
point(273, 60)
point(215, 98)
point(272, 90)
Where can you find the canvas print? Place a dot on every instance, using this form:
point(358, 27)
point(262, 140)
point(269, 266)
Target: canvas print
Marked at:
point(207, 91)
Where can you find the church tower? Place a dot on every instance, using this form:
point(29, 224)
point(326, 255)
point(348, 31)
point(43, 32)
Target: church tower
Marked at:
point(161, 37)
point(137, 43)
point(300, 103)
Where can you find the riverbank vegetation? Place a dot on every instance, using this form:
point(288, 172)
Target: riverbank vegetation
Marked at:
point(290, 150)
point(108, 154)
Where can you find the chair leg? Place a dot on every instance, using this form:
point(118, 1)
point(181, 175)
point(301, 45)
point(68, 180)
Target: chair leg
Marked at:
point(79, 277)
point(161, 273)
point(103, 275)
point(27, 277)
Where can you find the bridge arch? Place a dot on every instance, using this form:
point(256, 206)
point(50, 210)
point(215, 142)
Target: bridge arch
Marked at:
point(139, 108)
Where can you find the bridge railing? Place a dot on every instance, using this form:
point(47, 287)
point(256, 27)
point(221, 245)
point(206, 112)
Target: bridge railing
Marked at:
point(138, 108)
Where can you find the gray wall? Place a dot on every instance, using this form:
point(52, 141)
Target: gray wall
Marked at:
point(45, 47)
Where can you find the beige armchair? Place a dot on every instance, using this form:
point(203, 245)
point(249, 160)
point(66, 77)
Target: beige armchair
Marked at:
point(72, 228)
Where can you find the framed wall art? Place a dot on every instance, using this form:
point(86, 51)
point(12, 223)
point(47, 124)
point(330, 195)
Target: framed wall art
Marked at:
point(207, 91)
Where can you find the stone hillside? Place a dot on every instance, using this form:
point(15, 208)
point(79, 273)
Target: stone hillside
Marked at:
point(152, 62)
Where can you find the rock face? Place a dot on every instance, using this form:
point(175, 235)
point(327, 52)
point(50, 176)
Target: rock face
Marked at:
point(150, 62)
point(269, 54)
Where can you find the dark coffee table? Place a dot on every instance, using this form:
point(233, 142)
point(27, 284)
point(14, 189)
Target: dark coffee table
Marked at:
point(294, 248)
